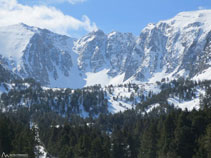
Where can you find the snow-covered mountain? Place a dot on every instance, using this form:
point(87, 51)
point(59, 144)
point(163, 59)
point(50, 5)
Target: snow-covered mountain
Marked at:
point(180, 46)
point(176, 47)
point(104, 58)
point(37, 53)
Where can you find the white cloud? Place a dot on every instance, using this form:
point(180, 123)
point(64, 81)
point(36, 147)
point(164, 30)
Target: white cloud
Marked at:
point(70, 1)
point(201, 8)
point(12, 12)
point(58, 1)
point(76, 1)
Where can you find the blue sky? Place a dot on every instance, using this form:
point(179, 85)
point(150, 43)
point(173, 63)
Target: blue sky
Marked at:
point(131, 15)
point(119, 15)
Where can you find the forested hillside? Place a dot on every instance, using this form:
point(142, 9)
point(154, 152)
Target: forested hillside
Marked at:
point(16, 135)
point(176, 134)
point(130, 134)
point(78, 123)
point(94, 100)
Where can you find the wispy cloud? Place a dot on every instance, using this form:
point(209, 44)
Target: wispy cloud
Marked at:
point(70, 1)
point(201, 8)
point(12, 12)
point(59, 1)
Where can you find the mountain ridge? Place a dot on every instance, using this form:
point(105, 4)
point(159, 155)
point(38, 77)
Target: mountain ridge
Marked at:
point(167, 49)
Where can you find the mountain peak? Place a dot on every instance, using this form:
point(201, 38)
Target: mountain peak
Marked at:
point(23, 26)
point(14, 39)
point(199, 18)
point(167, 48)
point(98, 32)
point(197, 13)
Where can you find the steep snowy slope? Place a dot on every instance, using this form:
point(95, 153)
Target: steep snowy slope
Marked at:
point(40, 54)
point(106, 56)
point(168, 49)
point(14, 39)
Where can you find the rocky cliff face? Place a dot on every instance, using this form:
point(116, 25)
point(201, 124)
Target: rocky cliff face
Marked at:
point(177, 47)
point(36, 53)
point(98, 50)
point(45, 55)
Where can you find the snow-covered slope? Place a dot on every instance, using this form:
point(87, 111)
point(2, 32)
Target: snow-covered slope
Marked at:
point(14, 39)
point(98, 51)
point(40, 54)
point(168, 49)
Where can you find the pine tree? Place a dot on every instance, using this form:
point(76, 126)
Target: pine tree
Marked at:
point(184, 138)
point(166, 142)
point(207, 141)
point(149, 142)
point(96, 148)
